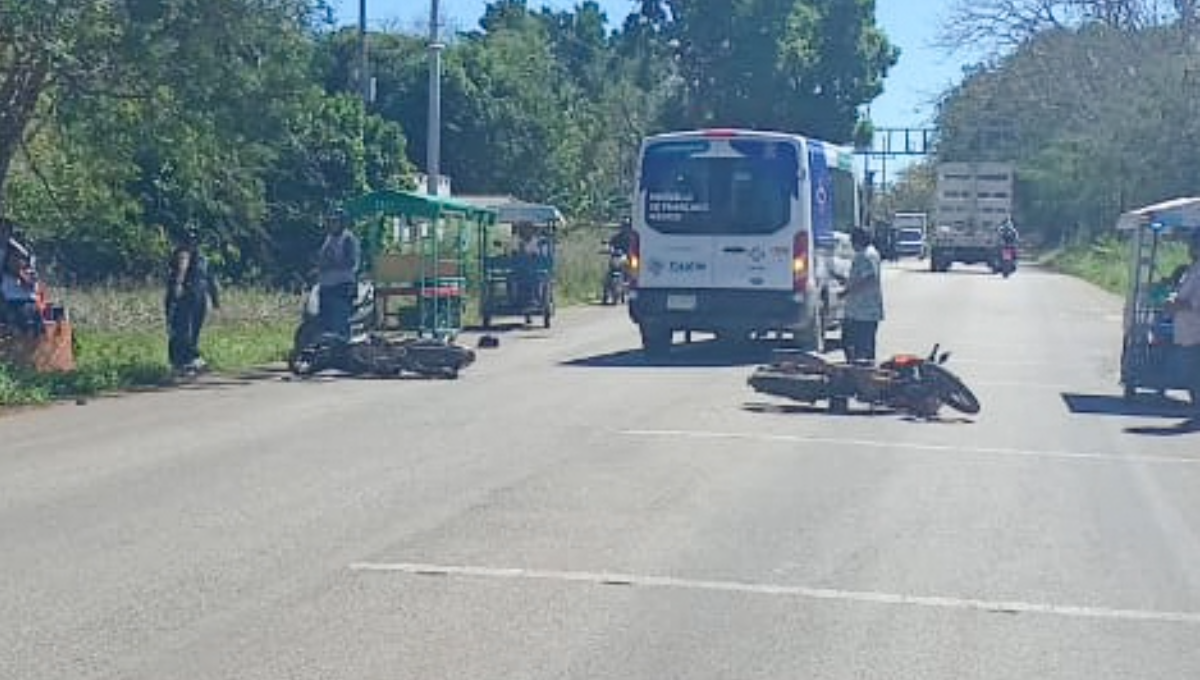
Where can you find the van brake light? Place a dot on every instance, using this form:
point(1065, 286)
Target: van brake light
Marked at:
point(635, 258)
point(800, 261)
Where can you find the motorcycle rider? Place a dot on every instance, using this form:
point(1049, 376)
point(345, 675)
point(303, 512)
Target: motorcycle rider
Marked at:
point(338, 263)
point(1008, 233)
point(622, 241)
point(619, 247)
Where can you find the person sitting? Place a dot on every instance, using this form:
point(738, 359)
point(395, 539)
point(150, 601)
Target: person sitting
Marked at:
point(526, 258)
point(19, 289)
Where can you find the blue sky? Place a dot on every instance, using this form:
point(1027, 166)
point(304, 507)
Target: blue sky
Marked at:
point(922, 73)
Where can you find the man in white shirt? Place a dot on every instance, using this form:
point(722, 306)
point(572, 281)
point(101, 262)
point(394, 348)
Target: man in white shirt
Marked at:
point(863, 300)
point(1185, 310)
point(338, 263)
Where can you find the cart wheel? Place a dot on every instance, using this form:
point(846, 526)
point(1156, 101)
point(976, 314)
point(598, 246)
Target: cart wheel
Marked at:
point(839, 405)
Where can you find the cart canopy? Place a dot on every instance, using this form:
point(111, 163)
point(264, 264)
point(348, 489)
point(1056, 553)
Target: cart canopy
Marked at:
point(512, 210)
point(1175, 214)
point(411, 204)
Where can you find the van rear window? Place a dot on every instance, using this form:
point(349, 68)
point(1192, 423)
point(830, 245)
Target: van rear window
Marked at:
point(719, 186)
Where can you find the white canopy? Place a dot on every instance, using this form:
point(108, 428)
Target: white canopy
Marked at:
point(1177, 213)
point(511, 210)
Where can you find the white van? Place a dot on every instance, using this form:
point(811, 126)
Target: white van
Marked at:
point(734, 233)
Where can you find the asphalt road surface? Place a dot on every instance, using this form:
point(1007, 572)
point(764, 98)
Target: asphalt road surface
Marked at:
point(569, 510)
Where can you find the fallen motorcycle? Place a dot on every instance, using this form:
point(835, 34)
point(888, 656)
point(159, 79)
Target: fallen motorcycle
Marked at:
point(377, 354)
point(908, 383)
point(363, 316)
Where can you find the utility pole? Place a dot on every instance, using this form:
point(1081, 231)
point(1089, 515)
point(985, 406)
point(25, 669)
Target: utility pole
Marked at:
point(433, 138)
point(364, 76)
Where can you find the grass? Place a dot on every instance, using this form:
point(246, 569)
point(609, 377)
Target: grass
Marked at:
point(121, 341)
point(581, 266)
point(1106, 262)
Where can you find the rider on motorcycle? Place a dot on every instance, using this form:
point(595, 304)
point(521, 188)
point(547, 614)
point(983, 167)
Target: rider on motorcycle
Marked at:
point(1008, 233)
point(617, 274)
point(622, 241)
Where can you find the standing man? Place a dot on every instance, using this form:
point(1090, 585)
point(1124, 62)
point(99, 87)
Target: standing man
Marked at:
point(337, 265)
point(1185, 308)
point(190, 288)
point(863, 300)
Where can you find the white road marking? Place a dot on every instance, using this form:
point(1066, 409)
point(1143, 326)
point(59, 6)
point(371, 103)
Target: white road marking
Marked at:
point(869, 597)
point(932, 448)
point(1057, 388)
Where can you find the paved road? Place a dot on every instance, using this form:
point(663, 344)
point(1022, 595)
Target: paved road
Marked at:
point(568, 511)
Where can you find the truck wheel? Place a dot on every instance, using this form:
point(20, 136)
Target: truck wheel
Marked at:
point(839, 405)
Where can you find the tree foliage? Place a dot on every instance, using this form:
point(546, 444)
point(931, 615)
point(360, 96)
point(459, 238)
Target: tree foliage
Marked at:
point(1098, 116)
point(123, 123)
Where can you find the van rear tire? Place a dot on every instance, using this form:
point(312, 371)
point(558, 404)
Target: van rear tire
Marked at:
point(656, 341)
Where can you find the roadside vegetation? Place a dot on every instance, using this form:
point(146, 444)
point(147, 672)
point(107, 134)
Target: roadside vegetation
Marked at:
point(121, 341)
point(1105, 262)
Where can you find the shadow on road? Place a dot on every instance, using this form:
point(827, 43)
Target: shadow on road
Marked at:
point(956, 271)
point(855, 411)
point(1117, 405)
point(702, 354)
point(812, 409)
point(1189, 426)
point(498, 327)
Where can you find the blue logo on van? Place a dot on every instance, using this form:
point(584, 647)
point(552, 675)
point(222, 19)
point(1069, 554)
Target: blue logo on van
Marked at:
point(687, 267)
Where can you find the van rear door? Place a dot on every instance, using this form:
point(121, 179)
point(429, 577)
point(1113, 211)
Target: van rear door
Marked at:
point(717, 211)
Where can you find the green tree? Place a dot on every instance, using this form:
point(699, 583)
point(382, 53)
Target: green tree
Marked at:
point(802, 65)
point(69, 47)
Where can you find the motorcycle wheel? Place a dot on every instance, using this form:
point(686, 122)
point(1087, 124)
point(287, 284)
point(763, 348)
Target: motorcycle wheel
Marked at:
point(304, 363)
point(951, 390)
point(307, 335)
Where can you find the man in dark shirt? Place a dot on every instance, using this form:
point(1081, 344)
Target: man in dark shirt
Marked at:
point(190, 287)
